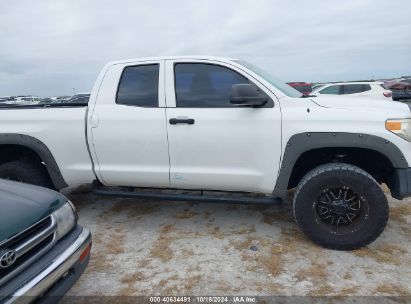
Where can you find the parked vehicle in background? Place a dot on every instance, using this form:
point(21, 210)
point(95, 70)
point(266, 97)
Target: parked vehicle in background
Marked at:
point(208, 123)
point(401, 89)
point(370, 89)
point(43, 251)
point(46, 101)
point(303, 87)
point(317, 86)
point(81, 98)
point(407, 80)
point(26, 100)
point(60, 98)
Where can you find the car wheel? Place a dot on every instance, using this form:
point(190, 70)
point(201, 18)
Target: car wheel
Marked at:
point(26, 172)
point(340, 206)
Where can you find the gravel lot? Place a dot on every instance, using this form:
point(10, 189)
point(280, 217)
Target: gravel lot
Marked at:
point(175, 248)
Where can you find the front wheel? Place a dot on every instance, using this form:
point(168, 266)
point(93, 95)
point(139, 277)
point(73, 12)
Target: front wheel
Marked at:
point(340, 206)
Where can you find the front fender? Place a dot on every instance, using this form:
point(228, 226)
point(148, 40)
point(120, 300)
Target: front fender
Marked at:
point(303, 142)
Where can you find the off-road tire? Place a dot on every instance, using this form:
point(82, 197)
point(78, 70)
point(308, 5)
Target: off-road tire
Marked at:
point(27, 172)
point(371, 221)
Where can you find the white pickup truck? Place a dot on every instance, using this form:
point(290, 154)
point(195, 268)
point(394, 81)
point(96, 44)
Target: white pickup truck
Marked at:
point(209, 123)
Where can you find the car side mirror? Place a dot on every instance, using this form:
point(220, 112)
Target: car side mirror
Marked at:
point(247, 95)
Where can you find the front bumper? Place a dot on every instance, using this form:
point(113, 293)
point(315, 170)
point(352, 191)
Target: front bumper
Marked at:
point(400, 183)
point(59, 276)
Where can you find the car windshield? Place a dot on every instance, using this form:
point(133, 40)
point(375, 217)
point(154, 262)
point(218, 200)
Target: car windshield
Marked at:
point(317, 87)
point(282, 86)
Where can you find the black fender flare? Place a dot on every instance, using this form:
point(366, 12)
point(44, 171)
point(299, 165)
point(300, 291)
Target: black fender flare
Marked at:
point(42, 151)
point(303, 142)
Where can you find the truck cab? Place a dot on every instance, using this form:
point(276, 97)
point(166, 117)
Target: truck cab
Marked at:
point(173, 121)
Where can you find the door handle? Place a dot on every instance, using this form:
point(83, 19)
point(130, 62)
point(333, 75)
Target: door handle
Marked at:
point(174, 121)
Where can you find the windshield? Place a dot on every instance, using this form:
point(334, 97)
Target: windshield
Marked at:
point(317, 87)
point(282, 86)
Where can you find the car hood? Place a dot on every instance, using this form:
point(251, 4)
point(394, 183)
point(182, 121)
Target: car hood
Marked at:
point(23, 205)
point(360, 103)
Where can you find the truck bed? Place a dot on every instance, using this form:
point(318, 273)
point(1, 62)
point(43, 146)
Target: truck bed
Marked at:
point(60, 127)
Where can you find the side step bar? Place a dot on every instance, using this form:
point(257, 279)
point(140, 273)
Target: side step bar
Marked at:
point(265, 200)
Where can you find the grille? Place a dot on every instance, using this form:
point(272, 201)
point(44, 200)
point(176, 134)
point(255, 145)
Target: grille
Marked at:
point(28, 245)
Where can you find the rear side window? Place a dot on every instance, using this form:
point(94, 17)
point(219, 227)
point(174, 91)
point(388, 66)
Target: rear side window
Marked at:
point(205, 85)
point(335, 90)
point(139, 86)
point(355, 88)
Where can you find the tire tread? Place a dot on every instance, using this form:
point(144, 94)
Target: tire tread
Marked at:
point(349, 169)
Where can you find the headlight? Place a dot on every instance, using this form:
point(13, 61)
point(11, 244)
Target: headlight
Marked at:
point(400, 127)
point(74, 209)
point(65, 220)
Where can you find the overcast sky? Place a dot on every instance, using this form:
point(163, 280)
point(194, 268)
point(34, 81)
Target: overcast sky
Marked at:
point(49, 47)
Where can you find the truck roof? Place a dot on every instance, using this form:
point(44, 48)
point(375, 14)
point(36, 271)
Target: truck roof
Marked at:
point(198, 57)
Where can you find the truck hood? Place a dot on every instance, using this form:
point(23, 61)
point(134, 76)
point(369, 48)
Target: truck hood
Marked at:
point(23, 205)
point(360, 103)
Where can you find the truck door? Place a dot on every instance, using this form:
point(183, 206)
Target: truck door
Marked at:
point(213, 143)
point(128, 130)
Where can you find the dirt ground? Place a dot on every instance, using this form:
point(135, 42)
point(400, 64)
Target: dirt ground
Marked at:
point(176, 248)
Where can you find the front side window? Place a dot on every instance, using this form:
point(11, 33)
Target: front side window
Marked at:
point(139, 86)
point(353, 88)
point(334, 90)
point(366, 87)
point(205, 85)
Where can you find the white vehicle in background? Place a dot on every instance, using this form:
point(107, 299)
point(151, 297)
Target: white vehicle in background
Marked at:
point(373, 89)
point(4, 99)
point(26, 100)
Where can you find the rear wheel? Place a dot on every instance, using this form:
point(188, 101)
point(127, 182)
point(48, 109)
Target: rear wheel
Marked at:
point(26, 172)
point(340, 206)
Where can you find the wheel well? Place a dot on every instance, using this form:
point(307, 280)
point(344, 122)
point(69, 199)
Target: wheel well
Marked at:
point(18, 152)
point(371, 161)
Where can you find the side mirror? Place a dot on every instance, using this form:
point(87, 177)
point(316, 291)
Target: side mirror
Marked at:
point(247, 95)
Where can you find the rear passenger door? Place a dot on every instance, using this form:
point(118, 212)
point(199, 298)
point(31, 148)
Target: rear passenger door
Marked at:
point(128, 127)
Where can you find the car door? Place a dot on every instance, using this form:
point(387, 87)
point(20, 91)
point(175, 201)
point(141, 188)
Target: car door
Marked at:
point(214, 144)
point(128, 129)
